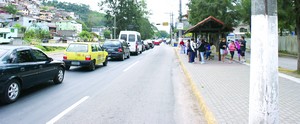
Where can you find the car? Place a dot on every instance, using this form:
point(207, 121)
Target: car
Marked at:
point(117, 49)
point(22, 67)
point(133, 38)
point(148, 44)
point(85, 54)
point(156, 42)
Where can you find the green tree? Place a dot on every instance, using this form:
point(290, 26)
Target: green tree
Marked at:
point(223, 10)
point(86, 36)
point(107, 34)
point(11, 9)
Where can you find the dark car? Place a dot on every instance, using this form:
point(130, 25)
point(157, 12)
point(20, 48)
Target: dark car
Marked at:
point(117, 49)
point(22, 67)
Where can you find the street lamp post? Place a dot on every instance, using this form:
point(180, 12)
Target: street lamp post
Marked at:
point(115, 27)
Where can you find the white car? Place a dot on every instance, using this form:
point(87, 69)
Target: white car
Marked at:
point(133, 38)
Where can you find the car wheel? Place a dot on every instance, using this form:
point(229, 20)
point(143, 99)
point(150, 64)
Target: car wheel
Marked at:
point(122, 57)
point(105, 62)
point(92, 66)
point(11, 92)
point(59, 77)
point(67, 67)
point(128, 56)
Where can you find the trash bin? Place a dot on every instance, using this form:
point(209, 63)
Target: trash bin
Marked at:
point(175, 44)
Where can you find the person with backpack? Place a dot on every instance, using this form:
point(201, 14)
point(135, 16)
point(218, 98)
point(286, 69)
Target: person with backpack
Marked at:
point(238, 48)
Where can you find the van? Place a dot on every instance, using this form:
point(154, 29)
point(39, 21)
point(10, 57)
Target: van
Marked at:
point(133, 38)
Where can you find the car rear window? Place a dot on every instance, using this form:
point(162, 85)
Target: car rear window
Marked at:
point(77, 48)
point(2, 52)
point(124, 37)
point(131, 38)
point(111, 44)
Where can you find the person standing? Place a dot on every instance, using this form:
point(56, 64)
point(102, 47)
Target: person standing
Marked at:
point(202, 50)
point(231, 49)
point(189, 50)
point(182, 46)
point(223, 49)
point(207, 50)
point(238, 48)
point(243, 48)
point(192, 46)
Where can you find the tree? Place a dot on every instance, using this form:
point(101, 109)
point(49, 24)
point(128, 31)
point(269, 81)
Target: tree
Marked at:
point(86, 36)
point(107, 34)
point(223, 10)
point(297, 10)
point(12, 9)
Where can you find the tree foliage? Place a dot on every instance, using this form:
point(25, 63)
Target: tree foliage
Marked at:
point(129, 14)
point(86, 36)
point(11, 9)
point(221, 9)
point(87, 17)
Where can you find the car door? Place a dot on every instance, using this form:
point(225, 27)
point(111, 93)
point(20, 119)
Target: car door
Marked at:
point(28, 68)
point(95, 54)
point(47, 70)
point(101, 53)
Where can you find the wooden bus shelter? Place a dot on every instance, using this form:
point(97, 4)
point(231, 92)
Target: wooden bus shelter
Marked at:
point(212, 29)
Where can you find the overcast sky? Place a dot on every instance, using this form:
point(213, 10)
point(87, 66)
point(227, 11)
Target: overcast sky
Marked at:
point(160, 9)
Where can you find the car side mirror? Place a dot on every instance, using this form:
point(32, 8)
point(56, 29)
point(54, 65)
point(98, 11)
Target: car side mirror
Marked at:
point(50, 59)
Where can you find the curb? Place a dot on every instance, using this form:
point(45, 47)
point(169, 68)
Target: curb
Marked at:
point(209, 117)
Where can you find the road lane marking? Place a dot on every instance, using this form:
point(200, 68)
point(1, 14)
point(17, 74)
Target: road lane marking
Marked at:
point(56, 118)
point(130, 66)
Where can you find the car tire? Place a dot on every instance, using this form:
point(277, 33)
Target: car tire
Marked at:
point(59, 77)
point(105, 62)
point(92, 66)
point(128, 56)
point(67, 67)
point(122, 57)
point(11, 92)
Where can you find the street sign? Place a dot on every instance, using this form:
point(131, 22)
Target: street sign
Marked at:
point(180, 26)
point(165, 24)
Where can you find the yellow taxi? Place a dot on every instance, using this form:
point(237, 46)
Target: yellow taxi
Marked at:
point(85, 54)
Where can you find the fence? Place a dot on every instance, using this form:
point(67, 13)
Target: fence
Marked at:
point(287, 44)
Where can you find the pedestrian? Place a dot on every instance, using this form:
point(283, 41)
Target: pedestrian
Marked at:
point(202, 50)
point(189, 50)
point(231, 49)
point(223, 49)
point(207, 51)
point(243, 48)
point(182, 46)
point(213, 51)
point(238, 48)
point(193, 51)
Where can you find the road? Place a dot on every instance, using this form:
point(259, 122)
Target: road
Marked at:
point(148, 88)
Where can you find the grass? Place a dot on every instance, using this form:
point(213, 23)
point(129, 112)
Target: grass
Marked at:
point(292, 73)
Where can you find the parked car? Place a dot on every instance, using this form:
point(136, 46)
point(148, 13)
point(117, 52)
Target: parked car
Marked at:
point(85, 54)
point(133, 38)
point(117, 49)
point(22, 67)
point(148, 44)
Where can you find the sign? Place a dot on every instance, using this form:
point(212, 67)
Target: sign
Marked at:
point(180, 26)
point(165, 23)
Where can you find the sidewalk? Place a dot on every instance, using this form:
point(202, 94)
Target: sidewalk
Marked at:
point(224, 91)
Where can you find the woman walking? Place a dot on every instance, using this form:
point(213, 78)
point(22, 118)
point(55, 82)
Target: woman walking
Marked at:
point(202, 50)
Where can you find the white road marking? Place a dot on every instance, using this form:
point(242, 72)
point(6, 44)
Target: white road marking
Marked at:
point(130, 66)
point(56, 118)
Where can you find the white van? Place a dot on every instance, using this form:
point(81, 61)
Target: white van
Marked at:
point(133, 38)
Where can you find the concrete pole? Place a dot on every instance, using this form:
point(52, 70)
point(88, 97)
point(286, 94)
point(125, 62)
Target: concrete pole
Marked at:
point(115, 28)
point(180, 20)
point(263, 100)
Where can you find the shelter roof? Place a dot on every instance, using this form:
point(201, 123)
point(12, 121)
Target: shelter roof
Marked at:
point(210, 25)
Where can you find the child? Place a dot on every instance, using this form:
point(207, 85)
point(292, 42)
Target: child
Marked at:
point(231, 49)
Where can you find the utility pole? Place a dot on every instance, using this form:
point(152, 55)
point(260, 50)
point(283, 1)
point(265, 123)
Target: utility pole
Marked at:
point(263, 99)
point(115, 28)
point(180, 19)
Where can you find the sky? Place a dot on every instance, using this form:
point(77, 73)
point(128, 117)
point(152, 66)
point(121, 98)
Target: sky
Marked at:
point(160, 9)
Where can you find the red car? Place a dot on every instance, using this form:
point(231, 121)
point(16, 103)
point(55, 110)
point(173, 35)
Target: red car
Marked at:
point(156, 42)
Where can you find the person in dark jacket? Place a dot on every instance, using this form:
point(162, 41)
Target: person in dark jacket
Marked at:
point(202, 50)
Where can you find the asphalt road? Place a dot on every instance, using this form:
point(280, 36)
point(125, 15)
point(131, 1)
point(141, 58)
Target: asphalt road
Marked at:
point(148, 88)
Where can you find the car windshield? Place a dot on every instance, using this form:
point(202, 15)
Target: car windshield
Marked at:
point(111, 44)
point(2, 52)
point(77, 48)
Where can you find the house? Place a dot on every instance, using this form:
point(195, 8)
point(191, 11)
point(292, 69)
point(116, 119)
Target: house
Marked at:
point(68, 28)
point(4, 37)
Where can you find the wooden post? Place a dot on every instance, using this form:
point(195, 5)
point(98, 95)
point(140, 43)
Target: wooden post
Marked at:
point(263, 100)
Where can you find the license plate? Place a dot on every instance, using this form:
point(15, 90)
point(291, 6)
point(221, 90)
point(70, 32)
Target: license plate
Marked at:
point(75, 63)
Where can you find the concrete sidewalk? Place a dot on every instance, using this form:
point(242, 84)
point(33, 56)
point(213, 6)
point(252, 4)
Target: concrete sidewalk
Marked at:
point(223, 91)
